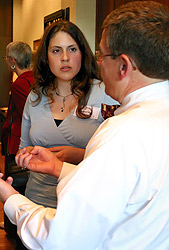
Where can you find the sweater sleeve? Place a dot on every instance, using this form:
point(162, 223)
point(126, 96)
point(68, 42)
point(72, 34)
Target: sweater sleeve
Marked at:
point(26, 125)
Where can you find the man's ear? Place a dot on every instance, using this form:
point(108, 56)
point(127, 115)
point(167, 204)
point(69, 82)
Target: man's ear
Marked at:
point(125, 66)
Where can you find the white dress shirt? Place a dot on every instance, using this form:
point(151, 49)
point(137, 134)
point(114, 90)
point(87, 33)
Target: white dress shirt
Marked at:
point(117, 198)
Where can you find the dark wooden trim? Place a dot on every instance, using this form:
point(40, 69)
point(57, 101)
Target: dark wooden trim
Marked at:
point(104, 7)
point(60, 14)
point(12, 20)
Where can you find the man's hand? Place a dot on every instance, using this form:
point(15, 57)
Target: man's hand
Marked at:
point(6, 190)
point(69, 154)
point(40, 160)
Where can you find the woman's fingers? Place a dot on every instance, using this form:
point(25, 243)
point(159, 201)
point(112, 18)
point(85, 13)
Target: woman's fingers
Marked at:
point(19, 158)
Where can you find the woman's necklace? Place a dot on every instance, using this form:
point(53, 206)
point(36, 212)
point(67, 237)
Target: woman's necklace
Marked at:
point(64, 99)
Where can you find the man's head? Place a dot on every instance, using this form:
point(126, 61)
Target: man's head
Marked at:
point(138, 32)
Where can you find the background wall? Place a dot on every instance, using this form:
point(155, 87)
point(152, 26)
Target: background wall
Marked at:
point(28, 17)
point(86, 19)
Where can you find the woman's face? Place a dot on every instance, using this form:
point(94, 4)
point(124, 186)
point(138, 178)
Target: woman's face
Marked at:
point(64, 57)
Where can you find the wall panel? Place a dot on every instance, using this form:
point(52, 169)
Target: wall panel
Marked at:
point(5, 37)
point(104, 7)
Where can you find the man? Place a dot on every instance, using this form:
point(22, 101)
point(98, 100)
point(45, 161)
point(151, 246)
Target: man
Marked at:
point(117, 198)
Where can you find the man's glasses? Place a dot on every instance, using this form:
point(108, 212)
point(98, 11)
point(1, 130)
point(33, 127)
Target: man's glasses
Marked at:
point(100, 57)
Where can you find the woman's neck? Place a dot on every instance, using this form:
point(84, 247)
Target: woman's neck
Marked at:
point(64, 88)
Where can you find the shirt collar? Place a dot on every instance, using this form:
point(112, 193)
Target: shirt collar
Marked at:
point(151, 92)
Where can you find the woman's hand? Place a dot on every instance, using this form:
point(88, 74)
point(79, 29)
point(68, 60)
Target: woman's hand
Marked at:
point(25, 150)
point(6, 190)
point(21, 155)
point(40, 160)
point(69, 154)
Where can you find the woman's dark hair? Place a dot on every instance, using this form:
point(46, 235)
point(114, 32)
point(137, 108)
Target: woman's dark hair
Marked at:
point(81, 83)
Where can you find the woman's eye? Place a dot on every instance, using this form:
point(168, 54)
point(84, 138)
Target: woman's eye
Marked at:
point(56, 51)
point(73, 49)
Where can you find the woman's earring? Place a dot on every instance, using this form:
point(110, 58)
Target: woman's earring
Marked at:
point(12, 67)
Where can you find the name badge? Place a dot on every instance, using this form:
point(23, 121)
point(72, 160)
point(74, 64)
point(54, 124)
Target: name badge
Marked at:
point(86, 110)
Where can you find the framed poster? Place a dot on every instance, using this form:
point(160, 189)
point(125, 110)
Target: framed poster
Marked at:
point(62, 14)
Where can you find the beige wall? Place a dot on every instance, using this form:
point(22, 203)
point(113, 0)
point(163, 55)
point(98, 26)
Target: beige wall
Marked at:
point(28, 17)
point(72, 5)
point(86, 19)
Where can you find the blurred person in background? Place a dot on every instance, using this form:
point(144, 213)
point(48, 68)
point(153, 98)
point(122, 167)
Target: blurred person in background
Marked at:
point(18, 57)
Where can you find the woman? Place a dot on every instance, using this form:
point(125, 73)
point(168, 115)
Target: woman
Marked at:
point(63, 108)
point(18, 57)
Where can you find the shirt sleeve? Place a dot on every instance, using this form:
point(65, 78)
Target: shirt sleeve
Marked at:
point(70, 227)
point(84, 212)
point(20, 211)
point(66, 169)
